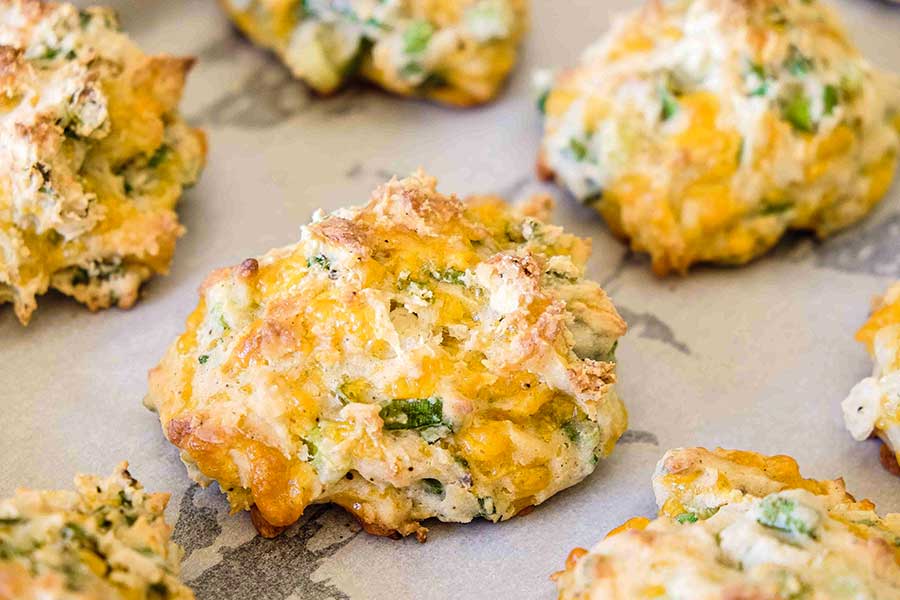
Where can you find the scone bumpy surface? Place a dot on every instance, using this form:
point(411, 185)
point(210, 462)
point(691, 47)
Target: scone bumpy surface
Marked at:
point(416, 357)
point(453, 51)
point(93, 156)
point(702, 130)
point(736, 525)
point(873, 405)
point(106, 540)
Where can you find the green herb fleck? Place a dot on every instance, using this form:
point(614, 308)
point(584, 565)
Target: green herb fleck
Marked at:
point(578, 149)
point(758, 71)
point(411, 70)
point(778, 512)
point(50, 54)
point(433, 486)
point(486, 504)
point(319, 260)
point(797, 63)
point(72, 532)
point(570, 428)
point(158, 157)
point(796, 111)
point(542, 102)
point(311, 447)
point(687, 517)
point(830, 98)
point(450, 275)
point(669, 104)
point(203, 358)
point(776, 209)
point(417, 36)
point(416, 413)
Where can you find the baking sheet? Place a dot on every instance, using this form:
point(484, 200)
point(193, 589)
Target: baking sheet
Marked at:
point(757, 358)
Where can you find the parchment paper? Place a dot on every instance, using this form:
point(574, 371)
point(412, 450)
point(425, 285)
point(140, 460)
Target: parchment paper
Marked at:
point(757, 357)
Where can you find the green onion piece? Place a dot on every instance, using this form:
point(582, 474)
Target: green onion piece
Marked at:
point(417, 36)
point(669, 105)
point(796, 111)
point(779, 513)
point(830, 98)
point(158, 157)
point(797, 63)
point(578, 148)
point(433, 486)
point(687, 517)
point(416, 413)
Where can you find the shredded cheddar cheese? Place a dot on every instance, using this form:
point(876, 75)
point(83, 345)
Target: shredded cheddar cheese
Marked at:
point(93, 157)
point(454, 51)
point(703, 130)
point(873, 405)
point(736, 524)
point(416, 357)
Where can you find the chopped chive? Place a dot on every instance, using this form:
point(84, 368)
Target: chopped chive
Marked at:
point(417, 36)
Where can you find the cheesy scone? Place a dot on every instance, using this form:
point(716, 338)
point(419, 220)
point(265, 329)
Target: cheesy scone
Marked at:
point(105, 540)
point(739, 525)
point(703, 130)
point(873, 405)
point(416, 357)
point(454, 51)
point(93, 157)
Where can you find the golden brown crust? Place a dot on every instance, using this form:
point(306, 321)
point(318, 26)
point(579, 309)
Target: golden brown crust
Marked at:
point(736, 524)
point(702, 131)
point(93, 157)
point(457, 52)
point(688, 475)
point(889, 459)
point(416, 357)
point(106, 540)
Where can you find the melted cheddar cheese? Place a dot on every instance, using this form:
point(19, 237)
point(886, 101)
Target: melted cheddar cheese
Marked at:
point(454, 51)
point(736, 524)
point(873, 405)
point(107, 540)
point(702, 130)
point(93, 157)
point(416, 357)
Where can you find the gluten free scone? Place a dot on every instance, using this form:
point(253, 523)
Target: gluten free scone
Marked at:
point(740, 525)
point(106, 540)
point(703, 130)
point(93, 157)
point(416, 357)
point(873, 405)
point(454, 51)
